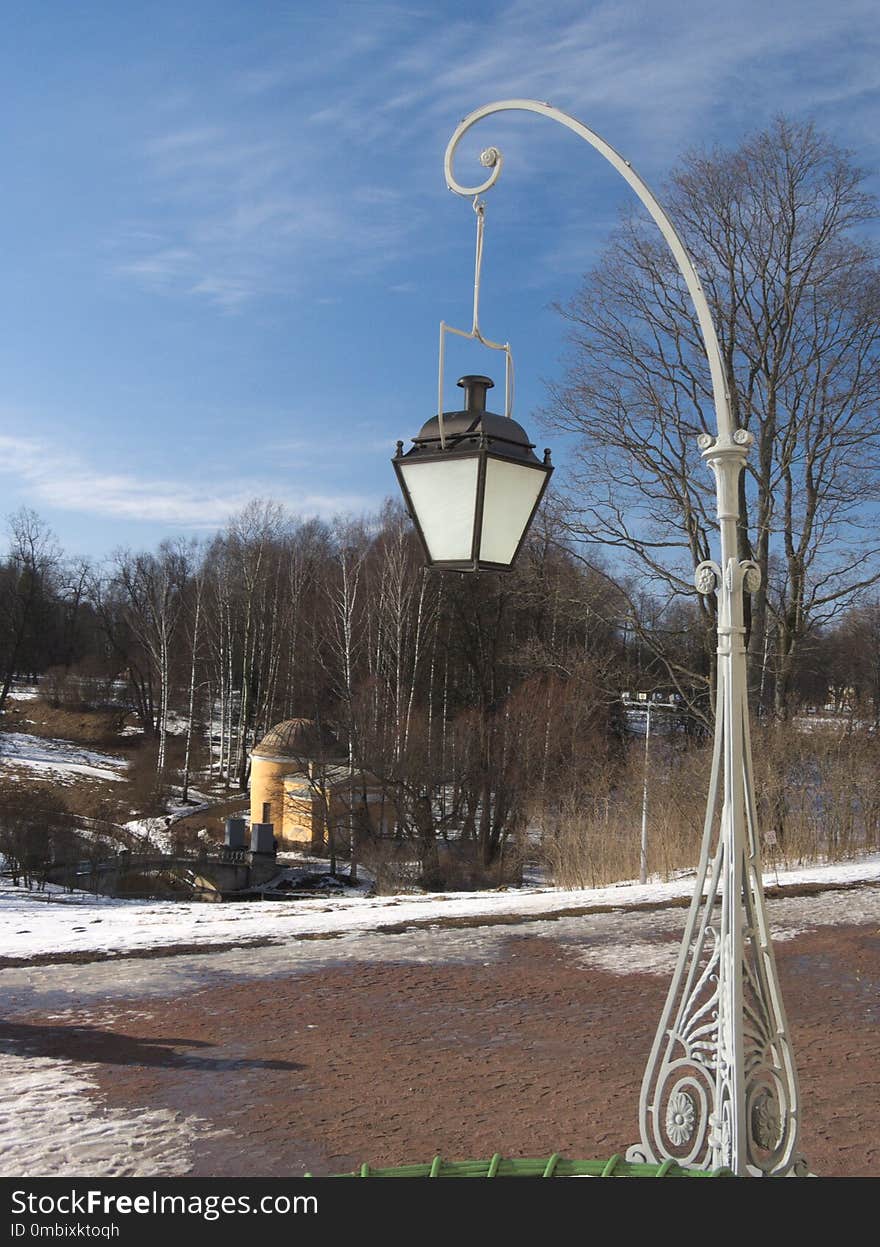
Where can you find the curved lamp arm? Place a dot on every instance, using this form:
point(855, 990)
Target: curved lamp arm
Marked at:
point(492, 159)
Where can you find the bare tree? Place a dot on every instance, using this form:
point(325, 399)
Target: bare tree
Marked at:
point(399, 615)
point(796, 301)
point(251, 538)
point(345, 635)
point(195, 641)
point(152, 586)
point(25, 592)
point(125, 653)
point(846, 664)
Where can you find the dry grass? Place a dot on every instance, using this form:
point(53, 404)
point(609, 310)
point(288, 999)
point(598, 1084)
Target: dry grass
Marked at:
point(91, 728)
point(817, 798)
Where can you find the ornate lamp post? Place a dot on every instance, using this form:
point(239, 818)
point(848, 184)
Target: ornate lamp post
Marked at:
point(720, 1088)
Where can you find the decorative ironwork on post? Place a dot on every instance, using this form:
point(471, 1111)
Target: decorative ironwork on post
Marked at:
point(721, 1080)
point(720, 1087)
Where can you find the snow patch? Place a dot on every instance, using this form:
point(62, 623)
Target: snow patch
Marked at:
point(61, 760)
point(153, 830)
point(634, 957)
point(51, 1123)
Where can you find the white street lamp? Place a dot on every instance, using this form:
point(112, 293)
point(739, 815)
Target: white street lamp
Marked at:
point(643, 846)
point(720, 1088)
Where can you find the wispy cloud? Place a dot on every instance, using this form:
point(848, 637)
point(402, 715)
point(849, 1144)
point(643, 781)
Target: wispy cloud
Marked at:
point(320, 174)
point(70, 484)
point(646, 63)
point(240, 220)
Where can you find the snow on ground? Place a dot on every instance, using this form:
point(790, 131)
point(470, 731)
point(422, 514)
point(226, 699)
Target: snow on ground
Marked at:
point(153, 830)
point(30, 926)
point(60, 760)
point(157, 829)
point(49, 1126)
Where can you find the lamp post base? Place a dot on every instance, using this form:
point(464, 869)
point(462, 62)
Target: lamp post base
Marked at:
point(721, 1088)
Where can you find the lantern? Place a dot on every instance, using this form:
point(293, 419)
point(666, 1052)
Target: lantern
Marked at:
point(472, 484)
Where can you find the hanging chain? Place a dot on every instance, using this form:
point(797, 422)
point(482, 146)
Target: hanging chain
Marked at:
point(475, 334)
point(480, 210)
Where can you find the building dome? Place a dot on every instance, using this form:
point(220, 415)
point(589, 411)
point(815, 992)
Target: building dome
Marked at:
point(295, 738)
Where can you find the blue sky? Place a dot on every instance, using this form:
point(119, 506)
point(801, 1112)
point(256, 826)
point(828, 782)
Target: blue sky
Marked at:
point(227, 242)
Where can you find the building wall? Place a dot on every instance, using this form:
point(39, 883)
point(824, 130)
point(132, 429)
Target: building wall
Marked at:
point(302, 821)
point(267, 788)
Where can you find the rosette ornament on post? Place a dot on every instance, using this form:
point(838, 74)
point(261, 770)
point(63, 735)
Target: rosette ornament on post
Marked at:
point(720, 1088)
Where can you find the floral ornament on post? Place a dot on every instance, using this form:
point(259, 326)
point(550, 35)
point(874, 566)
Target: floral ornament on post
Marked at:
point(680, 1114)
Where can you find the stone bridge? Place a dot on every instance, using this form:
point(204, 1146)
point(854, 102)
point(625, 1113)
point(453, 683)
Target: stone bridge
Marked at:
point(209, 877)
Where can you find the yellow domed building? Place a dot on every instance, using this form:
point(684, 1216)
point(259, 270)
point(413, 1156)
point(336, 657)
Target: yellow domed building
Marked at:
point(299, 779)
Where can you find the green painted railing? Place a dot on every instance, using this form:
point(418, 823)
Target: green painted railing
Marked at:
point(554, 1166)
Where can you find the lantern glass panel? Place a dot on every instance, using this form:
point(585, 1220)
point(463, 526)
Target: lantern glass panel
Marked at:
point(512, 489)
point(443, 494)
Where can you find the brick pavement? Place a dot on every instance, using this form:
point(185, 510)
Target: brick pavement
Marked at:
point(391, 1062)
